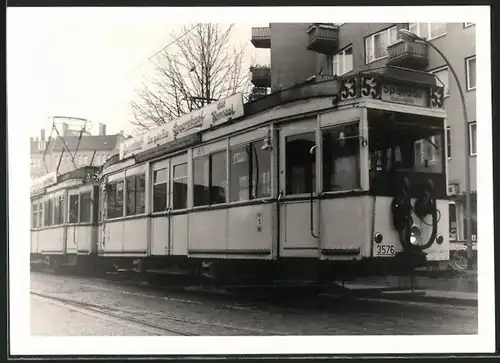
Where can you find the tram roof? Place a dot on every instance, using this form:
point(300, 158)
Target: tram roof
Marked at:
point(39, 185)
point(316, 87)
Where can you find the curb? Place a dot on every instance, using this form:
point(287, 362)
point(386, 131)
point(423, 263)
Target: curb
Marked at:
point(431, 299)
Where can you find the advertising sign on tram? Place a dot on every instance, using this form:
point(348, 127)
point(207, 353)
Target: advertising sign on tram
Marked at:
point(212, 115)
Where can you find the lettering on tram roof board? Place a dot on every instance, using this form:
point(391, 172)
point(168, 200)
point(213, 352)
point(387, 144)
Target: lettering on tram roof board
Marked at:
point(43, 182)
point(212, 115)
point(405, 94)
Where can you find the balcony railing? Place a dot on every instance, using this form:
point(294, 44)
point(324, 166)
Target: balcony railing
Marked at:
point(261, 76)
point(261, 37)
point(409, 55)
point(323, 38)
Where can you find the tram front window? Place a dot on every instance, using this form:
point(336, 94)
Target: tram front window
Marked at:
point(341, 158)
point(405, 145)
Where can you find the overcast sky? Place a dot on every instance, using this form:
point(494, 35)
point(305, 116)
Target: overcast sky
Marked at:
point(86, 64)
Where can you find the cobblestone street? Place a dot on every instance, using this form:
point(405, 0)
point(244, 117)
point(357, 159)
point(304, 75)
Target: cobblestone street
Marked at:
point(149, 311)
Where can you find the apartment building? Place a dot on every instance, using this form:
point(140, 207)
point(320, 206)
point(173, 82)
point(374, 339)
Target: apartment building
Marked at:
point(87, 150)
point(299, 51)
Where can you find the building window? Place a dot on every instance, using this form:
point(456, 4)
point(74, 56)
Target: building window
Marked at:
point(160, 179)
point(472, 138)
point(115, 200)
point(466, 25)
point(341, 169)
point(136, 188)
point(473, 208)
point(73, 208)
point(250, 176)
point(85, 207)
point(342, 62)
point(179, 186)
point(210, 179)
point(471, 73)
point(453, 221)
point(376, 44)
point(448, 141)
point(300, 164)
point(428, 30)
point(442, 76)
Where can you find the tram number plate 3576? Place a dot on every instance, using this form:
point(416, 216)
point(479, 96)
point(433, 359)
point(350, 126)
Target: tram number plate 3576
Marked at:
point(386, 250)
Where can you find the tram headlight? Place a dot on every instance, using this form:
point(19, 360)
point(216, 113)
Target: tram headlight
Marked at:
point(415, 235)
point(378, 237)
point(439, 239)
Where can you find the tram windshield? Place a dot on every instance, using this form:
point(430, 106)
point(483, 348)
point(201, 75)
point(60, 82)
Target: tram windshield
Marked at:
point(405, 145)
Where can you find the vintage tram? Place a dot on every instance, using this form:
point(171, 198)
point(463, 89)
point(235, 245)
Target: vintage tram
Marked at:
point(316, 183)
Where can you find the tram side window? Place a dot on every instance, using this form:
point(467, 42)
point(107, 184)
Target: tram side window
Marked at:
point(136, 187)
point(201, 169)
point(85, 205)
point(210, 179)
point(250, 176)
point(300, 164)
point(160, 190)
point(48, 212)
point(239, 187)
point(34, 213)
point(59, 210)
point(261, 171)
point(179, 185)
point(73, 208)
point(115, 200)
point(341, 169)
point(40, 214)
point(218, 178)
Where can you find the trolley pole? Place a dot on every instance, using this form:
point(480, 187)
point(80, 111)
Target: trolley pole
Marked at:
point(410, 37)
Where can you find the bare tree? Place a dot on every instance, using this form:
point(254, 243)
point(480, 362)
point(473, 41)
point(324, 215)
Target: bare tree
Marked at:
point(199, 66)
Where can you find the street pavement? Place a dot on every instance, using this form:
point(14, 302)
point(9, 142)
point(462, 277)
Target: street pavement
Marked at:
point(149, 311)
point(50, 318)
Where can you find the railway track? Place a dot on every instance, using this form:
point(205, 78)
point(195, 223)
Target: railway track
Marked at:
point(183, 326)
point(268, 295)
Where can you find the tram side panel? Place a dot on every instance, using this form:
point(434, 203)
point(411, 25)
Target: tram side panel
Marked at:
point(111, 236)
point(34, 242)
point(179, 235)
point(250, 231)
point(52, 240)
point(345, 228)
point(135, 235)
point(208, 232)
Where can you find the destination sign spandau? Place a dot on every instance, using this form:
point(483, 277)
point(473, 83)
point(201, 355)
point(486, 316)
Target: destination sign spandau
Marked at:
point(405, 94)
point(205, 118)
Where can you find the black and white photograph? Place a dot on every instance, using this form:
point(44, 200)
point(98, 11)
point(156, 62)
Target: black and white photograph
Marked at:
point(250, 181)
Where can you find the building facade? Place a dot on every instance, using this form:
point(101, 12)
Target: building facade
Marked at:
point(57, 154)
point(301, 51)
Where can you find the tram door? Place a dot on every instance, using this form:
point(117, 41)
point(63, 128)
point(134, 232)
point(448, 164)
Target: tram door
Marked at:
point(297, 180)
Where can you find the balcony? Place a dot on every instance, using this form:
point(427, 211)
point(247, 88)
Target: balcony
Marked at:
point(409, 55)
point(261, 37)
point(323, 38)
point(261, 76)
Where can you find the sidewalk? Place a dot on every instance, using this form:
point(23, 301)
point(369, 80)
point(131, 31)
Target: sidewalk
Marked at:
point(455, 290)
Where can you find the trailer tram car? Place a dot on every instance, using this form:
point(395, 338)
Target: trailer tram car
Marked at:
point(64, 219)
point(321, 182)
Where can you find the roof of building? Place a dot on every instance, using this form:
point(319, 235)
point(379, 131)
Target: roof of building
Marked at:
point(105, 143)
point(34, 146)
